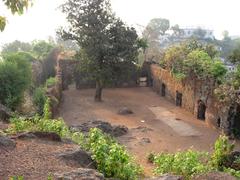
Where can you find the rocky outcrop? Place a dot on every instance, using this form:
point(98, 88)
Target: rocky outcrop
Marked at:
point(80, 174)
point(106, 127)
point(167, 177)
point(50, 136)
point(6, 143)
point(215, 176)
point(78, 158)
point(5, 113)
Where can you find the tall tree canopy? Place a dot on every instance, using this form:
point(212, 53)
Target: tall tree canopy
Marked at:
point(155, 28)
point(105, 40)
point(16, 6)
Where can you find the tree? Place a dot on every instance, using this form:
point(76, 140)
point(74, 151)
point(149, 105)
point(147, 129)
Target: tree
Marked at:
point(15, 78)
point(156, 27)
point(225, 34)
point(16, 46)
point(234, 56)
point(106, 41)
point(16, 6)
point(41, 49)
point(200, 33)
point(176, 30)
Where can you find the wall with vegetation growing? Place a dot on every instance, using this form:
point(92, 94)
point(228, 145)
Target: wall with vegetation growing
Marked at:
point(192, 92)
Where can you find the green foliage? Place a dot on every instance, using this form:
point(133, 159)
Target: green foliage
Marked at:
point(16, 46)
point(51, 81)
point(16, 178)
point(22, 124)
point(112, 159)
point(41, 49)
point(2, 23)
point(15, 78)
point(232, 172)
point(235, 55)
point(222, 149)
point(47, 114)
point(193, 59)
point(190, 163)
point(151, 157)
point(187, 163)
point(106, 40)
point(39, 99)
point(16, 6)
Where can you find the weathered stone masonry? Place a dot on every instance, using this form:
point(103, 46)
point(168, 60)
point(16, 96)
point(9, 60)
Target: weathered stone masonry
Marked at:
point(195, 96)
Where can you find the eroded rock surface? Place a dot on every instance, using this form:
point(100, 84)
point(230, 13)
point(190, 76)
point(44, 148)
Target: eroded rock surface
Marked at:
point(167, 177)
point(80, 174)
point(51, 136)
point(106, 127)
point(6, 143)
point(78, 158)
point(215, 176)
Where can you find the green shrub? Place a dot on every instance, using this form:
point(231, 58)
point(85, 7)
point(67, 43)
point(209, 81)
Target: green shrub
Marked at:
point(15, 78)
point(187, 164)
point(191, 163)
point(47, 114)
point(36, 123)
point(39, 99)
point(51, 81)
point(112, 159)
point(222, 148)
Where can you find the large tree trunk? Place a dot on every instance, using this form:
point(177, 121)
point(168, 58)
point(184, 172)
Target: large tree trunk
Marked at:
point(98, 95)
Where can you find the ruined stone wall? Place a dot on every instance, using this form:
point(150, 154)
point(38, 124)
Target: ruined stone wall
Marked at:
point(191, 92)
point(69, 74)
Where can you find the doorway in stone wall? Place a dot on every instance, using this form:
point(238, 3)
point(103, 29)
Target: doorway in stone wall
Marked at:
point(163, 90)
point(201, 110)
point(178, 99)
point(236, 122)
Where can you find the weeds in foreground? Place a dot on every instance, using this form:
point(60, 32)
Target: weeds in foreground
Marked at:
point(190, 163)
point(112, 158)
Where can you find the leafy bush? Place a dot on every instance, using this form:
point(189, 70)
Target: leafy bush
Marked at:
point(47, 114)
point(191, 163)
point(22, 124)
point(112, 159)
point(51, 81)
point(39, 99)
point(222, 150)
point(15, 78)
point(42, 48)
point(187, 163)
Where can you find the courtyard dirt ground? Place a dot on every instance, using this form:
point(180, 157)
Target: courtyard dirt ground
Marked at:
point(156, 125)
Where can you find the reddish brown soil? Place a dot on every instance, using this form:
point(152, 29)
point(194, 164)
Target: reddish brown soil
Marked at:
point(33, 159)
point(79, 106)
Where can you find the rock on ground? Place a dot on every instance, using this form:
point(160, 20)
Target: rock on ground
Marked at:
point(215, 176)
point(106, 127)
point(125, 111)
point(51, 136)
point(6, 143)
point(78, 158)
point(80, 174)
point(167, 177)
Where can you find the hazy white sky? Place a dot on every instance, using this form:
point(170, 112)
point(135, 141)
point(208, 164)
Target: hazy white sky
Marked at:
point(42, 20)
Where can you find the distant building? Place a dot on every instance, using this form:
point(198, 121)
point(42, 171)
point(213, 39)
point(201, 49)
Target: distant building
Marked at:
point(191, 31)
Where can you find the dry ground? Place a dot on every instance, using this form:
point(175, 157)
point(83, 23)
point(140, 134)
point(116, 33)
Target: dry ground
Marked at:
point(168, 127)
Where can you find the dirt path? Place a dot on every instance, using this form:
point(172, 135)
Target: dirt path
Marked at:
point(168, 127)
